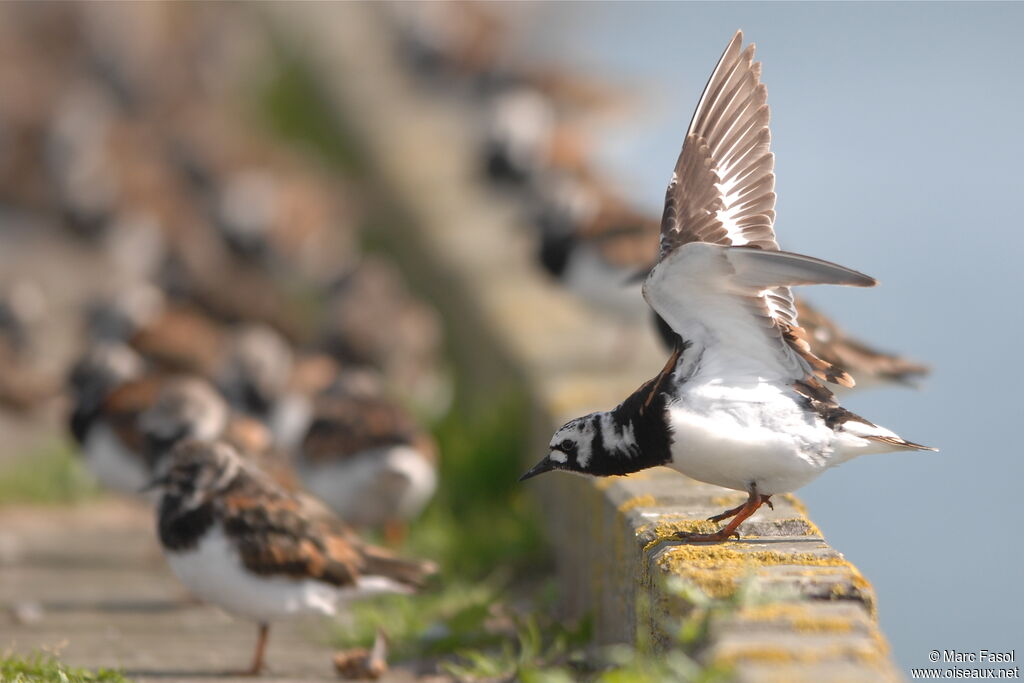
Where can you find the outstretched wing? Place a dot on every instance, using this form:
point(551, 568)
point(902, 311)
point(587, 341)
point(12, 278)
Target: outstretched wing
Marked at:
point(722, 188)
point(722, 193)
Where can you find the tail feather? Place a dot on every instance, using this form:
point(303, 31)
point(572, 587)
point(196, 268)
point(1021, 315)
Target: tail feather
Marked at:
point(408, 572)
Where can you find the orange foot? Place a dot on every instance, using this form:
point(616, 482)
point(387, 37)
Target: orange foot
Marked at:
point(739, 514)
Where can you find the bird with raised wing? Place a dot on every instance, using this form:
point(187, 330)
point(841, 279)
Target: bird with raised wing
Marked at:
point(741, 402)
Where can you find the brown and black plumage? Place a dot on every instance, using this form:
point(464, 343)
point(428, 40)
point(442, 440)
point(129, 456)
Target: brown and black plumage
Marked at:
point(366, 456)
point(240, 541)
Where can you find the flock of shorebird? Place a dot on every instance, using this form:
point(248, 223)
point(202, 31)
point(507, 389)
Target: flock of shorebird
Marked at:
point(242, 365)
point(239, 367)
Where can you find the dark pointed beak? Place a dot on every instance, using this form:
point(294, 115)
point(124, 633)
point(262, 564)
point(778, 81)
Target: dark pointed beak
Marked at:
point(545, 465)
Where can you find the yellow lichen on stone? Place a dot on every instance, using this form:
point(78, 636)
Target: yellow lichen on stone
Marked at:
point(861, 652)
point(798, 616)
point(812, 528)
point(646, 500)
point(667, 530)
point(717, 569)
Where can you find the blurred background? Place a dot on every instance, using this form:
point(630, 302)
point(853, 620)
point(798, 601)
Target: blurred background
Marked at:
point(172, 183)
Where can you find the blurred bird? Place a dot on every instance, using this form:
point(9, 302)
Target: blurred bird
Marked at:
point(239, 541)
point(104, 415)
point(536, 121)
point(125, 417)
point(191, 408)
point(447, 43)
point(740, 402)
point(366, 457)
point(174, 337)
point(372, 319)
point(256, 370)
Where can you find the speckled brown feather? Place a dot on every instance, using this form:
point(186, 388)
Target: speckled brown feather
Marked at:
point(346, 426)
point(124, 405)
point(278, 534)
point(274, 537)
point(182, 340)
point(828, 342)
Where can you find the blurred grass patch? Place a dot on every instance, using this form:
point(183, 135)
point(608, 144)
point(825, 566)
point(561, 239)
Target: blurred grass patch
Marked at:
point(44, 668)
point(294, 107)
point(51, 474)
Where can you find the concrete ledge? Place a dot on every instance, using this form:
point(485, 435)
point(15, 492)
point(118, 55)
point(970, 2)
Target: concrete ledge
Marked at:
point(466, 248)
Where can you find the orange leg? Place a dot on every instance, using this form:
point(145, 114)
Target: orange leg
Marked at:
point(732, 512)
point(395, 532)
point(739, 515)
point(257, 656)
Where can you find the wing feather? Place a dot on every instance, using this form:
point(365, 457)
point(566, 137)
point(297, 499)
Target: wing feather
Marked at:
point(723, 192)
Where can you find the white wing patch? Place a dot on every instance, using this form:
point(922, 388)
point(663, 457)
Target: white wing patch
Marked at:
point(715, 297)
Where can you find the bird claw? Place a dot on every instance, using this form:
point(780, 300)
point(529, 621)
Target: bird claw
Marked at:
point(716, 537)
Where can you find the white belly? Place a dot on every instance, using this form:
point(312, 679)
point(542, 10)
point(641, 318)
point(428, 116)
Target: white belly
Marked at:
point(735, 438)
point(214, 573)
point(113, 465)
point(375, 487)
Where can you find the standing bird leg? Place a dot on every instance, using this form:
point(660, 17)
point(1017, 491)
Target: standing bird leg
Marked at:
point(732, 512)
point(739, 515)
point(395, 532)
point(257, 656)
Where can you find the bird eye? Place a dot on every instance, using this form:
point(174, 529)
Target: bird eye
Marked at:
point(567, 446)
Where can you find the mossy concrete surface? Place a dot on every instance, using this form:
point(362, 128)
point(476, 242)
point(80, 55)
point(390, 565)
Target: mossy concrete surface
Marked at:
point(470, 249)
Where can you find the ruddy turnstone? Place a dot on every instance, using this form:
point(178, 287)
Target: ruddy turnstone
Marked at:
point(739, 403)
point(594, 242)
point(125, 418)
point(239, 541)
point(108, 392)
point(374, 320)
point(174, 337)
point(187, 407)
point(366, 457)
point(256, 369)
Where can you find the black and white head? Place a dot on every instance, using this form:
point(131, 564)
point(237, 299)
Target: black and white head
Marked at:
point(258, 368)
point(186, 408)
point(194, 472)
point(100, 370)
point(245, 212)
point(573, 448)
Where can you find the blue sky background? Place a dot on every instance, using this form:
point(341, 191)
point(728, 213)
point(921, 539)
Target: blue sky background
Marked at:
point(897, 132)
